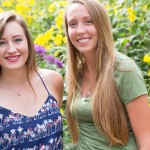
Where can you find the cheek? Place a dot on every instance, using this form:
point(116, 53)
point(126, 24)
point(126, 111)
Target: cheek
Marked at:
point(72, 39)
point(71, 34)
point(94, 31)
point(25, 50)
point(96, 36)
point(25, 45)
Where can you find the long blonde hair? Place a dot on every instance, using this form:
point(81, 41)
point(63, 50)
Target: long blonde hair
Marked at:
point(108, 111)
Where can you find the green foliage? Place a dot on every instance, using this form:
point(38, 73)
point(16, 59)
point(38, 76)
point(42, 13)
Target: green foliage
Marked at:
point(130, 26)
point(131, 30)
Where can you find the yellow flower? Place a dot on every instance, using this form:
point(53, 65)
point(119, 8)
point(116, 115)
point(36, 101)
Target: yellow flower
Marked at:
point(146, 58)
point(52, 8)
point(56, 53)
point(149, 73)
point(145, 7)
point(22, 8)
point(30, 2)
point(59, 21)
point(107, 6)
point(61, 13)
point(11, 1)
point(52, 28)
point(49, 46)
point(131, 14)
point(18, 8)
point(6, 3)
point(130, 10)
point(41, 40)
point(29, 20)
point(48, 34)
point(58, 39)
point(115, 9)
point(60, 30)
point(62, 3)
point(20, 1)
point(65, 40)
point(131, 17)
point(62, 112)
point(1, 9)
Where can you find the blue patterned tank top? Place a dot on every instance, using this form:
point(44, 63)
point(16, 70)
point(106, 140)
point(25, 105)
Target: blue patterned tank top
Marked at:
point(41, 132)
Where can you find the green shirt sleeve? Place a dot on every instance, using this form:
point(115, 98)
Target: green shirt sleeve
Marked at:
point(129, 79)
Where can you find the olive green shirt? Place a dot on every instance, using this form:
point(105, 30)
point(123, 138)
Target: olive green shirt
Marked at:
point(130, 85)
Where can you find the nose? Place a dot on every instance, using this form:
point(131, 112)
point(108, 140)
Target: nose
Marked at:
point(80, 29)
point(11, 48)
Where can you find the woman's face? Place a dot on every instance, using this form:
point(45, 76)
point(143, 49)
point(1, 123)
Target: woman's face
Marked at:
point(13, 47)
point(81, 29)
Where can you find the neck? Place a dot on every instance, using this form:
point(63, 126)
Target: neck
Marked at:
point(90, 63)
point(90, 70)
point(13, 77)
point(16, 82)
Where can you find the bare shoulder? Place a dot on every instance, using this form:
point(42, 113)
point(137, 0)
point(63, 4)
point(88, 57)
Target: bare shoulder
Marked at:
point(50, 75)
point(54, 82)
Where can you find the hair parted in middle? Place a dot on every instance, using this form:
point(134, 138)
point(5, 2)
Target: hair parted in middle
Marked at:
point(8, 16)
point(108, 111)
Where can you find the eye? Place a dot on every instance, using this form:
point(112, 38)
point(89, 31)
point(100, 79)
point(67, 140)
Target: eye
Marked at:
point(89, 22)
point(18, 40)
point(2, 43)
point(72, 25)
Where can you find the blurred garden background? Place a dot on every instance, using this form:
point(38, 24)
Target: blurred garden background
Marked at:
point(130, 26)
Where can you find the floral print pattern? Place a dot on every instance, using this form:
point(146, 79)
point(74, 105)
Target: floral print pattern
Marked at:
point(41, 132)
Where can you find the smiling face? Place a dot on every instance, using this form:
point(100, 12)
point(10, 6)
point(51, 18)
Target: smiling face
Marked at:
point(81, 30)
point(13, 47)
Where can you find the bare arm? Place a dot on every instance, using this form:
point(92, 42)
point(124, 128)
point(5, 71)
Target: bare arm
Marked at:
point(55, 84)
point(58, 88)
point(139, 115)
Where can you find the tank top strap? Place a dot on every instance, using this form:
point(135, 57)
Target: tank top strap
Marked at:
point(43, 83)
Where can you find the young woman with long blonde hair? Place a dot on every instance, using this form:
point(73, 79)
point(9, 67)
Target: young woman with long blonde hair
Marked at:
point(107, 106)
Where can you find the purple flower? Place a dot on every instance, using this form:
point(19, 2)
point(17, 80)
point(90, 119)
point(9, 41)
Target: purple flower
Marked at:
point(41, 53)
point(50, 59)
point(58, 63)
point(39, 49)
point(127, 45)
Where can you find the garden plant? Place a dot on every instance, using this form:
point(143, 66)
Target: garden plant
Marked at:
point(130, 26)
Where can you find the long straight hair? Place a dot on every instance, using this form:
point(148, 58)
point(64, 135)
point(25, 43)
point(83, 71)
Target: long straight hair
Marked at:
point(108, 111)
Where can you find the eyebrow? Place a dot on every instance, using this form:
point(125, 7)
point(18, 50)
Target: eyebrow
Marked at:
point(17, 36)
point(12, 36)
point(84, 17)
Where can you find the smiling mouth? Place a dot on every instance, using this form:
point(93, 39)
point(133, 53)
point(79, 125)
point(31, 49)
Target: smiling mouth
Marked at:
point(83, 40)
point(12, 58)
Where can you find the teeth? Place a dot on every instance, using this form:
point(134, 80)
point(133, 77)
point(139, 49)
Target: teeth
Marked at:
point(83, 40)
point(12, 58)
